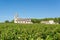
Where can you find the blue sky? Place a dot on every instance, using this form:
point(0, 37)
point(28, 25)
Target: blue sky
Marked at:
point(29, 9)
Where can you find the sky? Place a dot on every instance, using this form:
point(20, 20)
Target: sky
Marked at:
point(29, 9)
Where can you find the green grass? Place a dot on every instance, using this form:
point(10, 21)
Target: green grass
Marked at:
point(11, 31)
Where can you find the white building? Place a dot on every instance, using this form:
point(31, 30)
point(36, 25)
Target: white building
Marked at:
point(22, 20)
point(48, 22)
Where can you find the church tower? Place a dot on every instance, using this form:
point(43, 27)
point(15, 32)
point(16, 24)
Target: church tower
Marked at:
point(16, 18)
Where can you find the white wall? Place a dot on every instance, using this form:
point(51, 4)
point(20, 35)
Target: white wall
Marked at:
point(51, 22)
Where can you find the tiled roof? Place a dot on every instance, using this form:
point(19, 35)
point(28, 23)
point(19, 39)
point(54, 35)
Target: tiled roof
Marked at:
point(23, 19)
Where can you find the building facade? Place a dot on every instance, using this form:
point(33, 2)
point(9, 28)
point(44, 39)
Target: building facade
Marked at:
point(22, 20)
point(48, 22)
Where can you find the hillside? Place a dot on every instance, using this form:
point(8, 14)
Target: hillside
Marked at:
point(10, 31)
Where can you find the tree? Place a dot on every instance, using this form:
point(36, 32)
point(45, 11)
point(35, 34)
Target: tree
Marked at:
point(6, 21)
point(35, 20)
point(59, 20)
point(56, 19)
point(12, 21)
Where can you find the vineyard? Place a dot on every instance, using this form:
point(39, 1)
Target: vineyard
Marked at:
point(10, 31)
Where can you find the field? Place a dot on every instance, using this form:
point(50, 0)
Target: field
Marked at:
point(10, 31)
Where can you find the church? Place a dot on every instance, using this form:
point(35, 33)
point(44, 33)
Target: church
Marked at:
point(22, 20)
